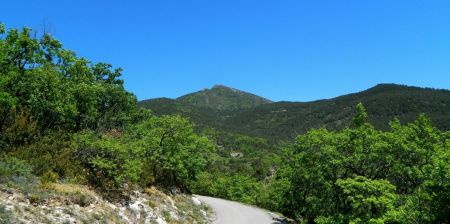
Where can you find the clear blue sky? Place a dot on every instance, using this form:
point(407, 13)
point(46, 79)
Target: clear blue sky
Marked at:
point(283, 50)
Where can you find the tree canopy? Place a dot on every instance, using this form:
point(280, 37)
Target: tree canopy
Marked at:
point(73, 118)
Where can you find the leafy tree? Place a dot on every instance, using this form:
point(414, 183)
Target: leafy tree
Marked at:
point(362, 175)
point(111, 161)
point(73, 118)
point(361, 115)
point(60, 90)
point(175, 152)
point(160, 150)
point(367, 201)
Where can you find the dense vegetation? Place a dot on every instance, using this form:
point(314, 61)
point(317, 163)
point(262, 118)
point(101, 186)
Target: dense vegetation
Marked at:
point(64, 118)
point(285, 120)
point(362, 175)
point(356, 175)
point(339, 170)
point(72, 120)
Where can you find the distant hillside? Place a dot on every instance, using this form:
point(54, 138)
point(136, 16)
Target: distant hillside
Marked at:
point(201, 116)
point(223, 98)
point(221, 109)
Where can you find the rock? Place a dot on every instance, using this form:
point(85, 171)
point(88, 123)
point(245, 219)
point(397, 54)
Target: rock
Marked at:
point(159, 220)
point(57, 209)
point(196, 201)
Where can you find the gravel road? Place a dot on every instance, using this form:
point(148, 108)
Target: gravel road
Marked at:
point(230, 212)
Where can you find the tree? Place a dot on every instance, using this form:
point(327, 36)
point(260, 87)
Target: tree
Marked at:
point(362, 175)
point(61, 90)
point(365, 200)
point(175, 152)
point(361, 115)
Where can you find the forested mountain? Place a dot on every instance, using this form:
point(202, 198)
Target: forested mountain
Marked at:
point(70, 133)
point(349, 163)
point(218, 98)
point(285, 120)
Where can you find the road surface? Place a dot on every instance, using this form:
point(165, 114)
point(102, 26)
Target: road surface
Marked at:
point(230, 212)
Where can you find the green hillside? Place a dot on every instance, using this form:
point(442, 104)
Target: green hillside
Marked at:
point(351, 161)
point(285, 120)
point(221, 97)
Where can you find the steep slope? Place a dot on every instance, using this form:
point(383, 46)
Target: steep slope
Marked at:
point(284, 120)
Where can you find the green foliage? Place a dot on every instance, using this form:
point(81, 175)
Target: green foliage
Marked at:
point(109, 159)
point(60, 90)
point(356, 175)
point(367, 200)
point(160, 150)
point(363, 175)
point(361, 115)
point(175, 152)
point(11, 167)
point(2, 28)
point(64, 117)
point(233, 187)
point(49, 177)
point(72, 119)
point(285, 120)
point(244, 155)
point(52, 152)
point(19, 129)
point(272, 194)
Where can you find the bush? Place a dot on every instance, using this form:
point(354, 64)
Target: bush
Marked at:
point(51, 153)
point(110, 161)
point(81, 199)
point(49, 177)
point(234, 187)
point(11, 168)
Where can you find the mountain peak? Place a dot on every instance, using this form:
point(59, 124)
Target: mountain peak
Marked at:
point(226, 88)
point(218, 86)
point(222, 97)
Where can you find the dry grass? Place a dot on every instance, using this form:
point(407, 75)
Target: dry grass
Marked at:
point(186, 211)
point(70, 188)
point(76, 194)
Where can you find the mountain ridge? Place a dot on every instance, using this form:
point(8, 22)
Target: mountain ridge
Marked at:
point(286, 119)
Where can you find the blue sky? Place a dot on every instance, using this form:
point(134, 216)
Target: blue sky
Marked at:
point(283, 50)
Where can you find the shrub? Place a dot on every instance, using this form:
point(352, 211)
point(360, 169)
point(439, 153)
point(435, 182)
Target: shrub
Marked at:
point(49, 177)
point(11, 168)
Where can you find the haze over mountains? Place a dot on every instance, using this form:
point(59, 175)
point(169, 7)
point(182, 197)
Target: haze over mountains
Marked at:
point(229, 109)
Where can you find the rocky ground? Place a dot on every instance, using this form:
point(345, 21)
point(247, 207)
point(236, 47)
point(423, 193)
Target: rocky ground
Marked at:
point(69, 203)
